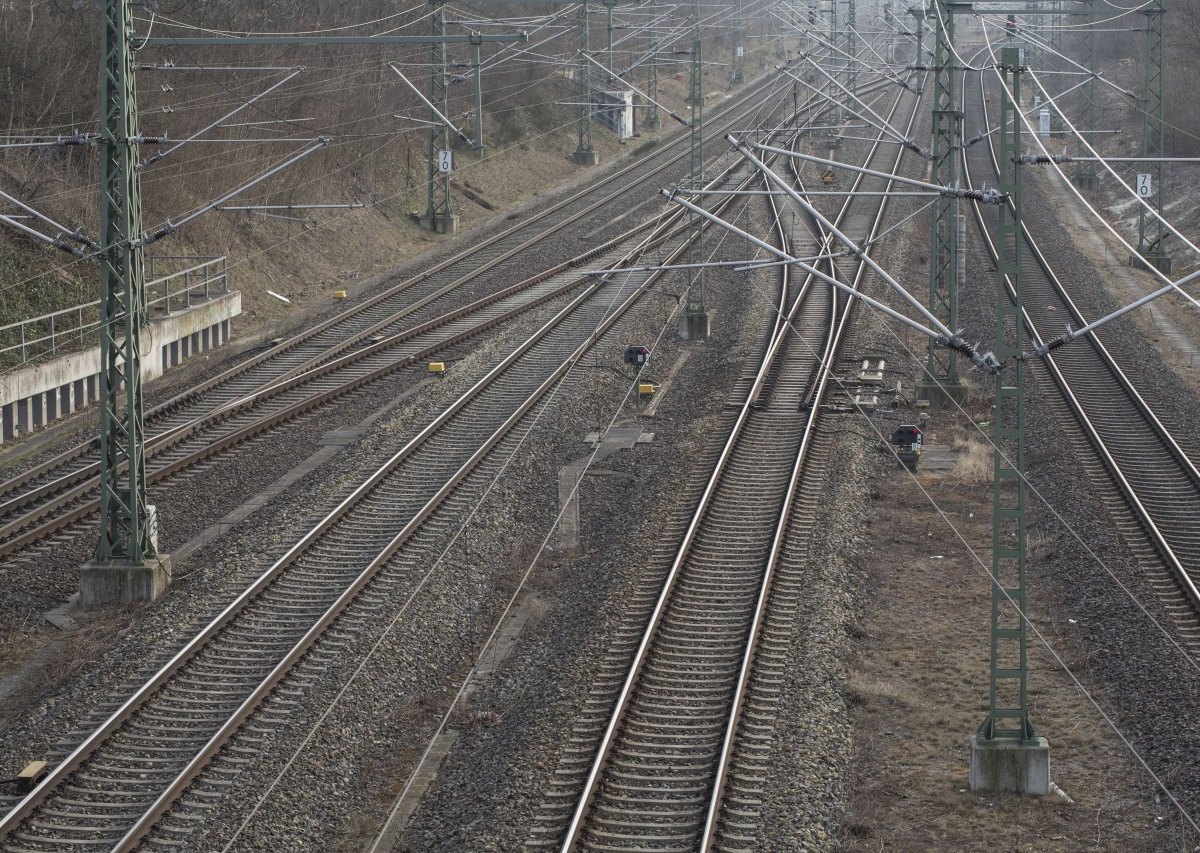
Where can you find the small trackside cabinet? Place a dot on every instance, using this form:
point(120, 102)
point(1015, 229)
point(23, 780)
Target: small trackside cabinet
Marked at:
point(638, 356)
point(908, 439)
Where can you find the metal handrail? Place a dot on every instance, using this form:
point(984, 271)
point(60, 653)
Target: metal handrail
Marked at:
point(209, 272)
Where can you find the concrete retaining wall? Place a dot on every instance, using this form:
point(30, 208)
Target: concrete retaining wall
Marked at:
point(38, 394)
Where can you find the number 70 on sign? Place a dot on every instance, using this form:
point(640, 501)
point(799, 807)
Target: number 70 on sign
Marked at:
point(1144, 186)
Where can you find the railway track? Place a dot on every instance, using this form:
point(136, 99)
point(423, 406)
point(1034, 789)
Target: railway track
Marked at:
point(413, 300)
point(225, 429)
point(669, 750)
point(112, 790)
point(736, 805)
point(1135, 466)
point(473, 290)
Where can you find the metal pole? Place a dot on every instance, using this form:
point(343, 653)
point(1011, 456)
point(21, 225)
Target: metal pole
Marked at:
point(609, 5)
point(919, 17)
point(1055, 35)
point(1085, 173)
point(941, 366)
point(852, 47)
point(836, 115)
point(478, 102)
point(439, 209)
point(889, 26)
point(124, 525)
point(584, 153)
point(1008, 701)
point(1151, 232)
point(652, 120)
point(695, 312)
point(738, 73)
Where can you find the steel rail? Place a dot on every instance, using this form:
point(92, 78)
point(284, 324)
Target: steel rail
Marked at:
point(83, 478)
point(591, 786)
point(164, 802)
point(349, 314)
point(592, 783)
point(709, 832)
point(170, 436)
point(816, 393)
point(1075, 405)
point(17, 533)
point(146, 692)
point(192, 648)
point(657, 270)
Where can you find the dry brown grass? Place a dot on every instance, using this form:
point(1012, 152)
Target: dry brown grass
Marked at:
point(974, 462)
point(1041, 547)
point(539, 607)
point(22, 639)
point(918, 690)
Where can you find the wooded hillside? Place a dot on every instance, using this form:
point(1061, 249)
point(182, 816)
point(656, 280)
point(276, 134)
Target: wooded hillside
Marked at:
point(48, 75)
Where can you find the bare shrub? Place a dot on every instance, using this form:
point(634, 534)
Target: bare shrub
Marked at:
point(974, 462)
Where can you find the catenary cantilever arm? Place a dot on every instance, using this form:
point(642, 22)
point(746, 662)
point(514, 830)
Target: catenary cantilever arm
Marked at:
point(953, 339)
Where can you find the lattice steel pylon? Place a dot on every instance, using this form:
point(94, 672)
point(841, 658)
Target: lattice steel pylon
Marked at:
point(941, 364)
point(852, 47)
point(125, 566)
point(831, 62)
point(584, 152)
point(1152, 233)
point(1006, 752)
point(918, 15)
point(609, 5)
point(439, 207)
point(694, 323)
point(652, 118)
point(889, 28)
point(124, 521)
point(1085, 171)
point(738, 74)
point(1008, 669)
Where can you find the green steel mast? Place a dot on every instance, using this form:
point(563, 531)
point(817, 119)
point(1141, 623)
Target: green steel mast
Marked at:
point(1008, 723)
point(584, 153)
point(695, 312)
point(738, 74)
point(124, 522)
point(852, 47)
point(1085, 171)
point(941, 363)
point(1151, 231)
point(439, 208)
point(652, 119)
